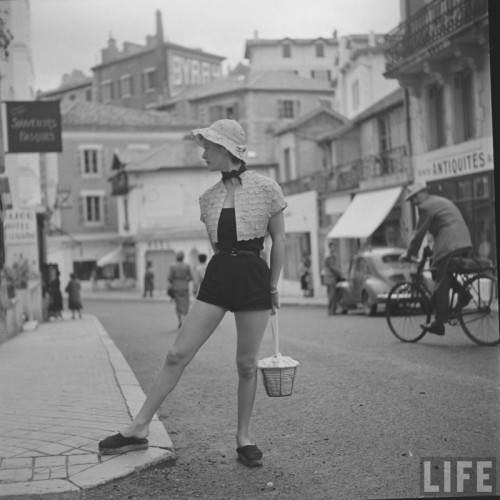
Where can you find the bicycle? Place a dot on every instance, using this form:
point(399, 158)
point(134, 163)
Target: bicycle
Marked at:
point(474, 306)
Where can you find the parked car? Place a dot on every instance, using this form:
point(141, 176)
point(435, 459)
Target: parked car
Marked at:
point(372, 273)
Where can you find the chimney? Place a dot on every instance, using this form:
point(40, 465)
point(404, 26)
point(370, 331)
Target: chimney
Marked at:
point(161, 60)
point(159, 28)
point(111, 51)
point(256, 35)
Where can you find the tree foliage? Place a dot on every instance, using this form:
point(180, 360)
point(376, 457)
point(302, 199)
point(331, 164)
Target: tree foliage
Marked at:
point(5, 37)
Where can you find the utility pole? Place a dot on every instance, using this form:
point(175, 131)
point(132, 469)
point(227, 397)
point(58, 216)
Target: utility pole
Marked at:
point(5, 39)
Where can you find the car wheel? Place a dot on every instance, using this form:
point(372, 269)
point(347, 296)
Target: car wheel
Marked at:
point(368, 308)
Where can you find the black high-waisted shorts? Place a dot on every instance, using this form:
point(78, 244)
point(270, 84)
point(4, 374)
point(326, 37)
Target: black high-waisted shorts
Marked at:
point(237, 283)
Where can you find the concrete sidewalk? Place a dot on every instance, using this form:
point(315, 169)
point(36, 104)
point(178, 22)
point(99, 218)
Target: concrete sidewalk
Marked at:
point(63, 387)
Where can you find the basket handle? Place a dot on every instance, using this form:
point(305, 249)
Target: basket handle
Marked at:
point(274, 330)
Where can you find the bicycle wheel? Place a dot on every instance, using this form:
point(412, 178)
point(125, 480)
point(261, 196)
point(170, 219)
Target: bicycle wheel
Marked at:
point(478, 314)
point(407, 308)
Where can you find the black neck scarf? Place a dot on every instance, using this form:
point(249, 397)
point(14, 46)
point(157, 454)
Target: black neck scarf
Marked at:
point(234, 173)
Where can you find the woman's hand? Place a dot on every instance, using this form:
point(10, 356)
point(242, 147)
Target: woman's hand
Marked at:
point(275, 302)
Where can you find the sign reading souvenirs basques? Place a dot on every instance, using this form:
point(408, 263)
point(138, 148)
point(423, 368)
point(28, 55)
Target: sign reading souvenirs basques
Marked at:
point(32, 126)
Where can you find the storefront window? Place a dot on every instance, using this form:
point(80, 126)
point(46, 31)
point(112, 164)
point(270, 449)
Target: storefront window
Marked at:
point(481, 187)
point(297, 244)
point(464, 189)
point(476, 201)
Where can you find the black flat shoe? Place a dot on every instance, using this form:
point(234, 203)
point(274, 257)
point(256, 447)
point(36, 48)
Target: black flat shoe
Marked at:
point(116, 444)
point(249, 455)
point(434, 327)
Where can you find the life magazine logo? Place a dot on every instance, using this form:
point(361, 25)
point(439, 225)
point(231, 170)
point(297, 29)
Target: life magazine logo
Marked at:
point(457, 476)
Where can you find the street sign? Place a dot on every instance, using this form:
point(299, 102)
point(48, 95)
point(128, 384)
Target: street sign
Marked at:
point(63, 198)
point(31, 127)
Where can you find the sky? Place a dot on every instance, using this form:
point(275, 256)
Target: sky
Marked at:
point(69, 34)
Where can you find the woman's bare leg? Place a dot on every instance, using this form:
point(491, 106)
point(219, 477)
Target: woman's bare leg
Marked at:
point(199, 324)
point(250, 327)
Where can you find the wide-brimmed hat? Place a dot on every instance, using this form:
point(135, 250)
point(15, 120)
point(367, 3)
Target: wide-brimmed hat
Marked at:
point(227, 133)
point(413, 189)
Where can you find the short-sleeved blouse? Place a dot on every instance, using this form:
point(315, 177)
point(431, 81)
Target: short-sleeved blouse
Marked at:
point(256, 200)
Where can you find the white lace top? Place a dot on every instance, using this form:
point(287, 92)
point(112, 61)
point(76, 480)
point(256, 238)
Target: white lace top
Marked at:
point(256, 200)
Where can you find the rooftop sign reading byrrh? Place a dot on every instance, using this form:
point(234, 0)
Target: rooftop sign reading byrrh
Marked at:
point(31, 126)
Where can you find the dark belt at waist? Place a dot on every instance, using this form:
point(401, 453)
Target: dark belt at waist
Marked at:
point(240, 253)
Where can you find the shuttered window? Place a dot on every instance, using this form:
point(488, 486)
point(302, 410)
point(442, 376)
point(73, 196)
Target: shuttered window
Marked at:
point(91, 160)
point(286, 109)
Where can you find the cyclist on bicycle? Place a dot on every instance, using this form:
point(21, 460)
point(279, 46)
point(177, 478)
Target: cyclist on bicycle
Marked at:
point(443, 220)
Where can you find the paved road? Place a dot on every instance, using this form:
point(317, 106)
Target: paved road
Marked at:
point(364, 409)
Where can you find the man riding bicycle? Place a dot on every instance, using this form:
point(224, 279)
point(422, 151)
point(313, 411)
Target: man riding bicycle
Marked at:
point(445, 223)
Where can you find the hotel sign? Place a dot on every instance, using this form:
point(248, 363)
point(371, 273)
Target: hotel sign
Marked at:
point(467, 158)
point(31, 126)
point(20, 227)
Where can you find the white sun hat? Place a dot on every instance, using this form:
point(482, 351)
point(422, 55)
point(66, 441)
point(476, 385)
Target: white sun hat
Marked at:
point(227, 133)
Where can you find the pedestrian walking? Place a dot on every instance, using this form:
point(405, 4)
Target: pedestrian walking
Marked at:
point(149, 281)
point(305, 275)
point(331, 276)
point(237, 211)
point(73, 289)
point(451, 237)
point(199, 272)
point(179, 276)
point(55, 296)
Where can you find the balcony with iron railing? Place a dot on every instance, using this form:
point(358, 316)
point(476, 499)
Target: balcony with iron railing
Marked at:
point(386, 167)
point(429, 29)
point(322, 181)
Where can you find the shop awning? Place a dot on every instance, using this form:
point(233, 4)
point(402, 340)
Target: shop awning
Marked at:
point(365, 213)
point(113, 257)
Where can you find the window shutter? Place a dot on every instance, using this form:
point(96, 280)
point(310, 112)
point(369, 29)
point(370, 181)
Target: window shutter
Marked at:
point(79, 162)
point(102, 160)
point(81, 210)
point(103, 200)
point(131, 85)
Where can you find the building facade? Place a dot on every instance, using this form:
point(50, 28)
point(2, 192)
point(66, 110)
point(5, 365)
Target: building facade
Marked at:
point(304, 174)
point(84, 226)
point(440, 53)
point(74, 87)
point(362, 166)
point(147, 76)
point(140, 76)
point(306, 57)
point(260, 101)
point(360, 67)
point(21, 258)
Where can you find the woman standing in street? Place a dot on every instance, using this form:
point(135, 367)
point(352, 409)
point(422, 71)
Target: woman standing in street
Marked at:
point(237, 211)
point(73, 289)
point(179, 277)
point(331, 276)
point(55, 296)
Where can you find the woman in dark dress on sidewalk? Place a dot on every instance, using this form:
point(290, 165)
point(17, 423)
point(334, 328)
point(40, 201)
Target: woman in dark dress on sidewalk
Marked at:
point(179, 277)
point(55, 297)
point(238, 211)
